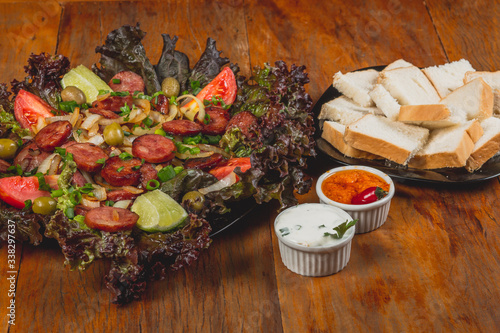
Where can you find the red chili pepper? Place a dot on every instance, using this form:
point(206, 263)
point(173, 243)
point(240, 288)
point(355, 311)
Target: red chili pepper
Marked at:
point(369, 195)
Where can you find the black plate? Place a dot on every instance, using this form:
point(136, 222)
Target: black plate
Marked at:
point(489, 170)
point(239, 209)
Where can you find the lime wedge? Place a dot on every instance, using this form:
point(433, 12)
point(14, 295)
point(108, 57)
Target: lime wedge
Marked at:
point(84, 79)
point(158, 212)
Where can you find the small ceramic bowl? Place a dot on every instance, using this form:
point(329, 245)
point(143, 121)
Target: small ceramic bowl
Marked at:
point(314, 260)
point(371, 216)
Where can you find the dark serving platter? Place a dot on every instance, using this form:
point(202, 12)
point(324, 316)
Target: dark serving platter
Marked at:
point(239, 209)
point(489, 170)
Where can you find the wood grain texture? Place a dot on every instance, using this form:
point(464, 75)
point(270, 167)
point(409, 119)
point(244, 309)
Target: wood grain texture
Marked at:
point(32, 27)
point(341, 36)
point(432, 267)
point(469, 29)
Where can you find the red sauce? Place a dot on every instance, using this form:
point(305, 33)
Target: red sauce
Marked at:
point(342, 186)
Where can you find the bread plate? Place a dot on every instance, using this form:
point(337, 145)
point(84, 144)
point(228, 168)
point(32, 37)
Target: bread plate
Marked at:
point(489, 170)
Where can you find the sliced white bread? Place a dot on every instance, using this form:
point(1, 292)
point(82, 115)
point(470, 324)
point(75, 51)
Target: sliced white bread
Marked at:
point(431, 116)
point(356, 85)
point(400, 63)
point(381, 136)
point(344, 110)
point(409, 86)
point(385, 102)
point(474, 97)
point(448, 147)
point(493, 80)
point(333, 132)
point(448, 77)
point(487, 146)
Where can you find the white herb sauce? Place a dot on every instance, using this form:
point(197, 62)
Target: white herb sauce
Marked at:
point(307, 224)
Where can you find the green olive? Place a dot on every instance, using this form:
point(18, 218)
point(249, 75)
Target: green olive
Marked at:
point(8, 149)
point(44, 205)
point(113, 134)
point(193, 200)
point(71, 93)
point(170, 86)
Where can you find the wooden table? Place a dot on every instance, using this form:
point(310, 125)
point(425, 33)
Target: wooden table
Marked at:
point(433, 266)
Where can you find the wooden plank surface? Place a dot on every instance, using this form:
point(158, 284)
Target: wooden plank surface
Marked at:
point(433, 265)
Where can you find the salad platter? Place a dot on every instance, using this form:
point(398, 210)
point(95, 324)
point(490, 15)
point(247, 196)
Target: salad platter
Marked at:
point(490, 169)
point(142, 164)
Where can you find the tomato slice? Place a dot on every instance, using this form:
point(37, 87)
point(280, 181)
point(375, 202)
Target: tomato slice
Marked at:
point(233, 163)
point(223, 86)
point(28, 108)
point(16, 190)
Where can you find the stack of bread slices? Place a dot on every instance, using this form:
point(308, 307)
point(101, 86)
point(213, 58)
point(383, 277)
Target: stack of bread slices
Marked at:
point(444, 116)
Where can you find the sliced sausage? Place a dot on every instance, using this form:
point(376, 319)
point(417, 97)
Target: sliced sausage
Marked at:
point(118, 195)
point(204, 163)
point(30, 157)
point(87, 156)
point(161, 104)
point(246, 122)
point(105, 113)
point(127, 81)
point(118, 172)
point(78, 179)
point(182, 127)
point(81, 210)
point(113, 103)
point(219, 119)
point(153, 148)
point(110, 219)
point(4, 165)
point(53, 135)
point(148, 172)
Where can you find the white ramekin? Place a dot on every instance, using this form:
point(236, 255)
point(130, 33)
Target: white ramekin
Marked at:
point(370, 216)
point(317, 260)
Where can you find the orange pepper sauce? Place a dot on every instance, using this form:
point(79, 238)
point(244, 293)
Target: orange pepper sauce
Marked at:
point(342, 186)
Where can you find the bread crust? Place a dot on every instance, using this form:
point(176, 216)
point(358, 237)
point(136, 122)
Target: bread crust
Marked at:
point(482, 154)
point(428, 112)
point(336, 139)
point(377, 146)
point(454, 159)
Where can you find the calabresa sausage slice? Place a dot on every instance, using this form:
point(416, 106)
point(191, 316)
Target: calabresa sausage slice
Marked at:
point(87, 156)
point(153, 148)
point(114, 103)
point(53, 135)
point(246, 122)
point(118, 172)
point(127, 81)
point(30, 157)
point(117, 195)
point(105, 113)
point(148, 172)
point(182, 127)
point(218, 120)
point(110, 219)
point(204, 163)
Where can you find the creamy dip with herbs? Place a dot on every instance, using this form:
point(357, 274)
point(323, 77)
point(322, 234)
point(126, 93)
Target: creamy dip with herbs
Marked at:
point(313, 225)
